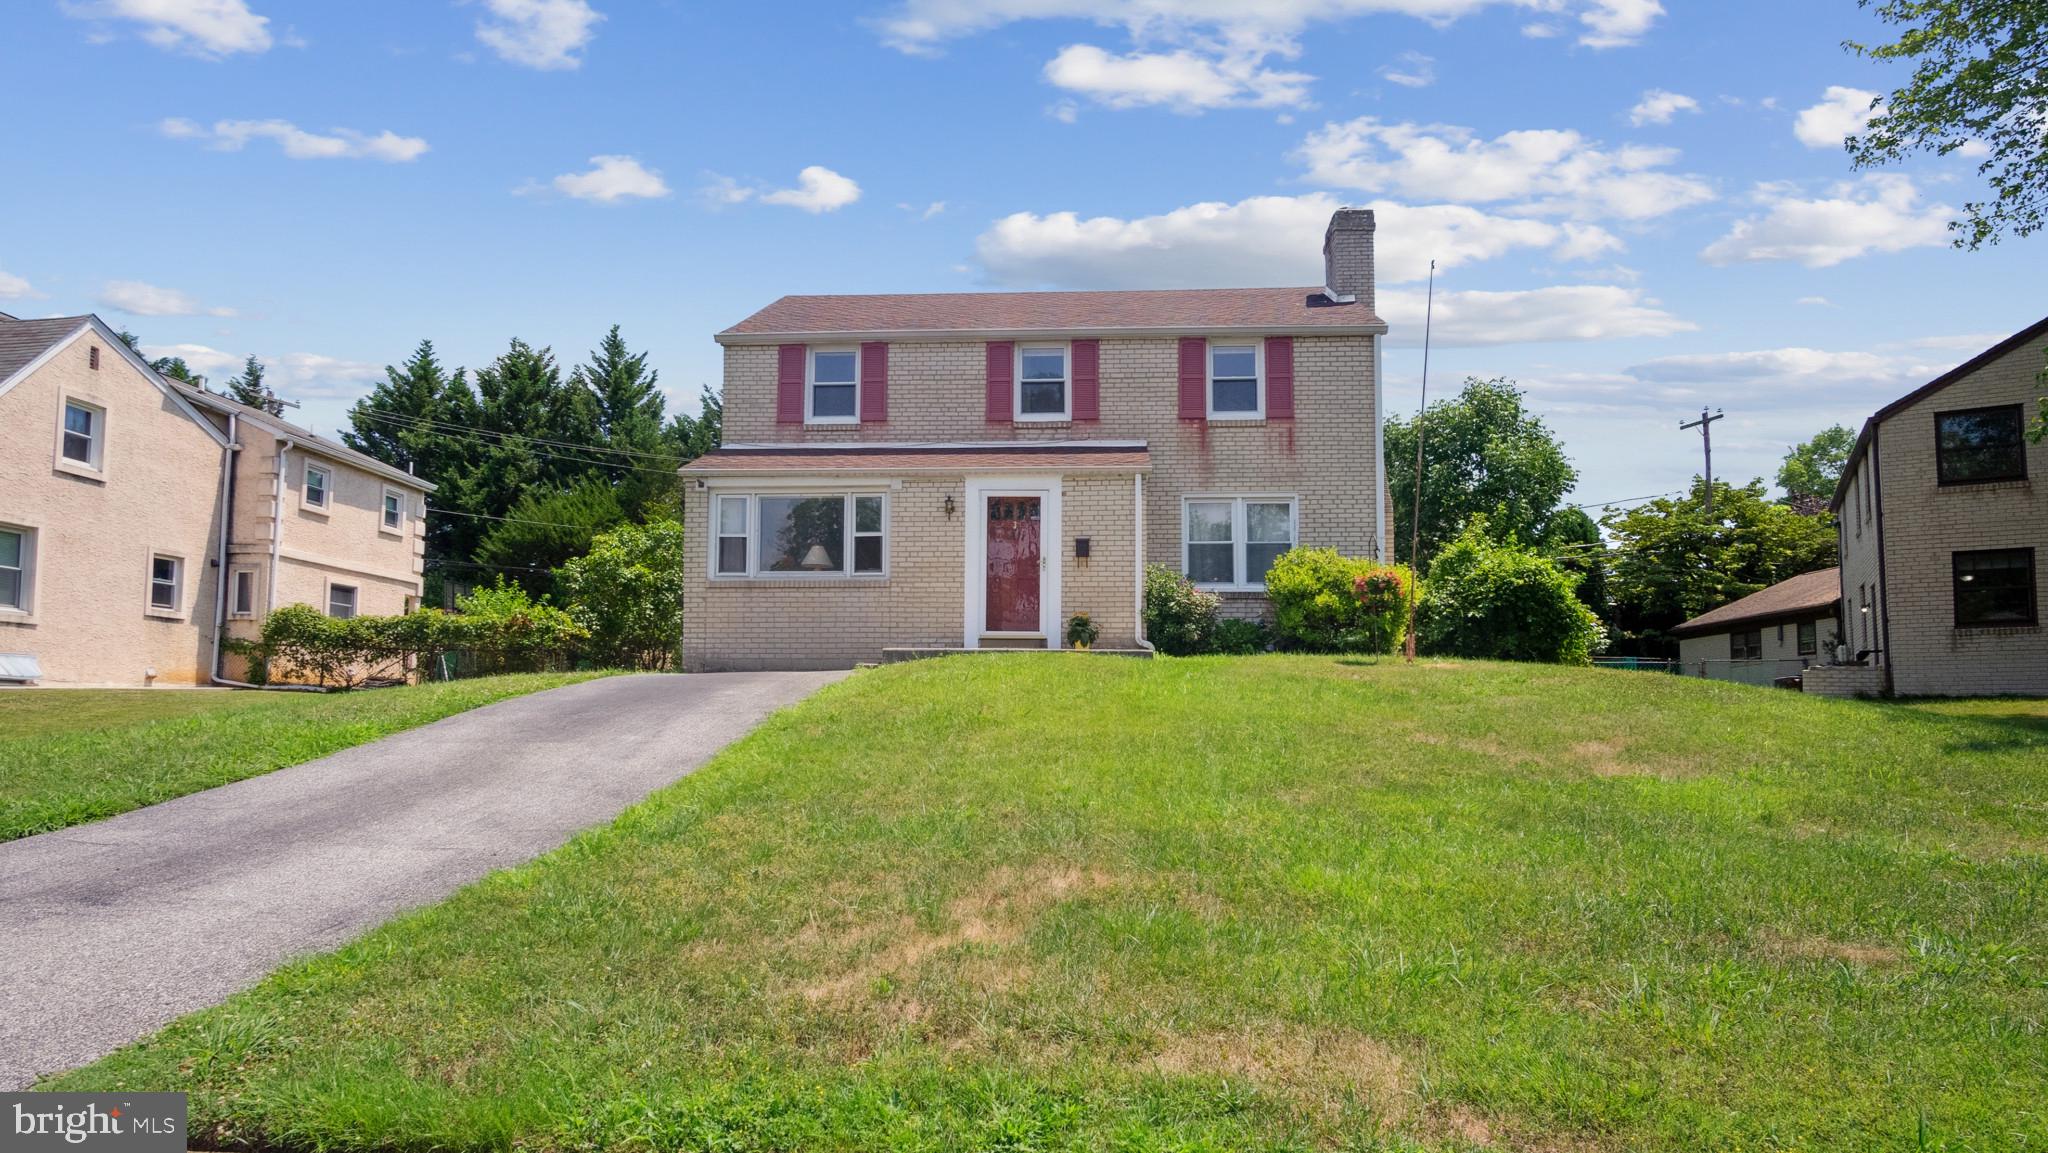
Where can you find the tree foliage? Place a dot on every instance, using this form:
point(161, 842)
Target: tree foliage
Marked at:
point(545, 529)
point(1812, 470)
point(1572, 541)
point(248, 388)
point(1980, 77)
point(1483, 453)
point(1499, 601)
point(627, 592)
point(1326, 602)
point(1671, 563)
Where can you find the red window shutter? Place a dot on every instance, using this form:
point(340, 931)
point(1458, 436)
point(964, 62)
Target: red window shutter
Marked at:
point(1194, 378)
point(1087, 373)
point(1001, 354)
point(789, 384)
point(1279, 378)
point(874, 382)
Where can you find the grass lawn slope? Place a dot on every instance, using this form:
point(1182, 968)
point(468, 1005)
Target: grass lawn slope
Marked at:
point(68, 756)
point(1050, 903)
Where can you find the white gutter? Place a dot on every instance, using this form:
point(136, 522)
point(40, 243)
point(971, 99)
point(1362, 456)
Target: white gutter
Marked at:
point(1138, 497)
point(1379, 452)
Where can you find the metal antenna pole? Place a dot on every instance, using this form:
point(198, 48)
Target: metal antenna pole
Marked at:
point(1415, 521)
point(1706, 426)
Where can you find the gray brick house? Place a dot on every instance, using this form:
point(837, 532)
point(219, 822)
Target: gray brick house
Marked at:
point(969, 470)
point(1942, 532)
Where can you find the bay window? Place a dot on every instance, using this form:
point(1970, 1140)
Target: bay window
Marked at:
point(1230, 542)
point(774, 535)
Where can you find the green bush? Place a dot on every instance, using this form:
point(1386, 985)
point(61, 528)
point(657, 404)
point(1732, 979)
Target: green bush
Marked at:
point(1180, 619)
point(627, 592)
point(1498, 600)
point(1331, 603)
point(500, 627)
point(503, 630)
point(1237, 637)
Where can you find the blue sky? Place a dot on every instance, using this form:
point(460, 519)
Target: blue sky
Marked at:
point(1636, 207)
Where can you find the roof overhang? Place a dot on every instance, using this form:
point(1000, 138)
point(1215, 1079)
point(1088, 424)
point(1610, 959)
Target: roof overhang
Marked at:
point(952, 459)
point(1759, 620)
point(306, 441)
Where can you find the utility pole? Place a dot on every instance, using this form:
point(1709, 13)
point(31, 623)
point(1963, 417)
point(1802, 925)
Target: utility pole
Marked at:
point(1415, 521)
point(1706, 426)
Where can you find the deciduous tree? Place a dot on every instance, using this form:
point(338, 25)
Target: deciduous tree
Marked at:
point(1483, 452)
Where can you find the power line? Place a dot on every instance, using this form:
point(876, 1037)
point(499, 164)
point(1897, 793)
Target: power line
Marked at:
point(510, 519)
point(1628, 499)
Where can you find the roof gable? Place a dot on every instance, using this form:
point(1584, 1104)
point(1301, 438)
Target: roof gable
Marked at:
point(27, 345)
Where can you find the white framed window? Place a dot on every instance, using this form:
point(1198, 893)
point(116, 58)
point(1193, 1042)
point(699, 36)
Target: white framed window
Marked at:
point(319, 482)
point(82, 435)
point(394, 509)
point(1237, 380)
point(17, 569)
point(242, 593)
point(1043, 389)
point(777, 535)
point(341, 601)
point(832, 386)
point(166, 583)
point(1229, 542)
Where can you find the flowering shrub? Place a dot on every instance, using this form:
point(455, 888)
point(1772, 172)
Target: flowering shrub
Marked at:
point(1332, 603)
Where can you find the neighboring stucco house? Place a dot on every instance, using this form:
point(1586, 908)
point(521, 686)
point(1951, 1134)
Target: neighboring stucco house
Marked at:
point(139, 517)
point(1942, 529)
point(970, 470)
point(1776, 632)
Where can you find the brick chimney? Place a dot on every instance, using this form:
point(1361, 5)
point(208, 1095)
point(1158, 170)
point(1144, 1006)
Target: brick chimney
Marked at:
point(1347, 255)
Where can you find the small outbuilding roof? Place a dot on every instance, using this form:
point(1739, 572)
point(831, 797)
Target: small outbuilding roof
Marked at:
point(1026, 456)
point(1806, 595)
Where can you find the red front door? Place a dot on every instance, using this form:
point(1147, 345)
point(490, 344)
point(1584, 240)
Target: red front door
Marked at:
point(1013, 564)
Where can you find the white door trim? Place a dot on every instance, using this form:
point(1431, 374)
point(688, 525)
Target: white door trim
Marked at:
point(1050, 544)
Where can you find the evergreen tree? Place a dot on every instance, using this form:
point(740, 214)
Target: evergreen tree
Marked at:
point(629, 409)
point(175, 368)
point(422, 419)
point(248, 388)
point(692, 437)
point(547, 528)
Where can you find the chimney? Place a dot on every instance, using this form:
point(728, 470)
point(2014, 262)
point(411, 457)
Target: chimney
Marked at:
point(1347, 256)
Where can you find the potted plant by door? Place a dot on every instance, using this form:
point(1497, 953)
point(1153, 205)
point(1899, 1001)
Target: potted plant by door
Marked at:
point(1081, 632)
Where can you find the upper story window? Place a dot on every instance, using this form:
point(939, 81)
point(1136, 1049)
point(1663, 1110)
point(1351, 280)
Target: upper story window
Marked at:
point(1994, 588)
point(166, 583)
point(1975, 445)
point(1042, 392)
point(776, 535)
point(1230, 542)
point(16, 548)
point(394, 510)
point(832, 395)
point(318, 481)
point(84, 433)
point(1235, 387)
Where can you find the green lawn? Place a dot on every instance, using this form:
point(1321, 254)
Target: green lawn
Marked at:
point(1041, 902)
point(68, 756)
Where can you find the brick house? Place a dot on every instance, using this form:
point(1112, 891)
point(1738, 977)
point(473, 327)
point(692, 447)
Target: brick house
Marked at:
point(1942, 531)
point(970, 470)
point(142, 520)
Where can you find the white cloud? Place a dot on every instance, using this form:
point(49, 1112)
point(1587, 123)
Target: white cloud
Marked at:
point(1544, 171)
point(206, 28)
point(1842, 113)
point(1540, 31)
point(14, 287)
point(1064, 111)
point(1263, 240)
point(611, 179)
point(543, 34)
point(1795, 371)
point(1412, 70)
point(296, 142)
point(1658, 107)
point(720, 191)
point(292, 375)
point(818, 189)
point(1878, 213)
point(1815, 301)
point(1182, 80)
point(1617, 23)
point(139, 299)
point(925, 213)
point(1589, 312)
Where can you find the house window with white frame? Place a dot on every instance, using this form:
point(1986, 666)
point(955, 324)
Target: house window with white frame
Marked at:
point(394, 510)
point(318, 481)
point(776, 535)
point(1230, 542)
point(84, 433)
point(166, 583)
point(1042, 392)
point(17, 565)
point(341, 601)
point(833, 393)
point(242, 593)
point(1236, 385)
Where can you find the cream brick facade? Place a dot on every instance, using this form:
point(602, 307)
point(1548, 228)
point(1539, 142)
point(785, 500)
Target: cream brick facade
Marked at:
point(1324, 459)
point(158, 490)
point(1901, 529)
point(94, 532)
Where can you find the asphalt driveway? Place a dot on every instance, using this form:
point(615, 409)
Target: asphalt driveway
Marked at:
point(110, 930)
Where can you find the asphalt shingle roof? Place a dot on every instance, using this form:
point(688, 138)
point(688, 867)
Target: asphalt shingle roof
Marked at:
point(22, 341)
point(1179, 308)
point(1812, 592)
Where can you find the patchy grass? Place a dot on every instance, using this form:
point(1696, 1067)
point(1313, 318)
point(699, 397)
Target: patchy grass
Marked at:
point(68, 756)
point(1036, 902)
